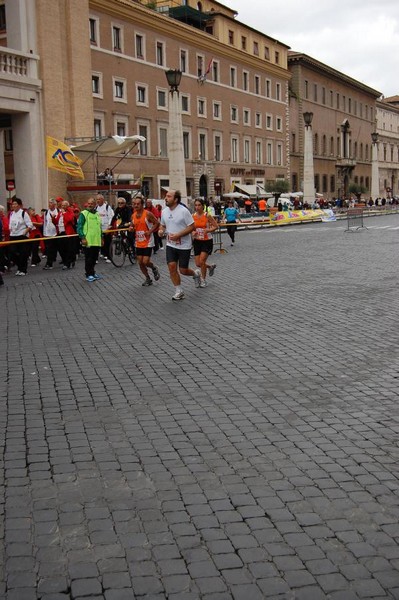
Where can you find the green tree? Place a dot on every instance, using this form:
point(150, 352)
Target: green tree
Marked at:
point(277, 187)
point(357, 189)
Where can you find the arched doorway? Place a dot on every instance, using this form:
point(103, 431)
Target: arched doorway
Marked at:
point(203, 187)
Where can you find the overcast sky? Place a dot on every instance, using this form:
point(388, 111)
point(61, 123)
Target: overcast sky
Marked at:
point(357, 37)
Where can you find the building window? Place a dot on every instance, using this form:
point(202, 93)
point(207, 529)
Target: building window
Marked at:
point(268, 88)
point(234, 149)
point(258, 150)
point(269, 122)
point(256, 49)
point(293, 143)
point(245, 76)
point(337, 101)
point(267, 53)
point(243, 42)
point(323, 95)
point(119, 90)
point(247, 151)
point(215, 70)
point(331, 99)
point(344, 103)
point(306, 84)
point(258, 120)
point(269, 153)
point(217, 110)
point(324, 184)
point(246, 119)
point(231, 37)
point(8, 140)
point(163, 142)
point(350, 105)
point(160, 54)
point(95, 85)
point(120, 128)
point(233, 76)
point(257, 84)
point(218, 147)
point(141, 94)
point(279, 154)
point(201, 107)
point(98, 128)
point(117, 39)
point(143, 147)
point(161, 99)
point(315, 92)
point(278, 91)
point(139, 46)
point(332, 183)
point(233, 114)
point(185, 104)
point(186, 144)
point(202, 146)
point(279, 124)
point(277, 57)
point(324, 147)
point(92, 28)
point(200, 65)
point(183, 61)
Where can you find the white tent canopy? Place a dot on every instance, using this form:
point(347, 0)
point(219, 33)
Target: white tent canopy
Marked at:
point(109, 146)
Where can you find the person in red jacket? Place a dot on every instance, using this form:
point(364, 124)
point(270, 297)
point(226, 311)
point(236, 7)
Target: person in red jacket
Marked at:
point(36, 232)
point(67, 244)
point(4, 260)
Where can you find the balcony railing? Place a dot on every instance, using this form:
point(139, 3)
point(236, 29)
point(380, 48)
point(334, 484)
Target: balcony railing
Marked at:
point(17, 64)
point(345, 162)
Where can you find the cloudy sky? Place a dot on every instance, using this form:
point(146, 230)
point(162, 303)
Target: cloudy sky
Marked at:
point(358, 37)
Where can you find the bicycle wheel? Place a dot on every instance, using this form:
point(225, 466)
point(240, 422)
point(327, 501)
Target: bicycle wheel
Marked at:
point(131, 255)
point(117, 252)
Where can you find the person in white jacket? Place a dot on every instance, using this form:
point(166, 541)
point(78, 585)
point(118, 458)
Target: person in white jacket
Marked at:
point(106, 213)
point(20, 226)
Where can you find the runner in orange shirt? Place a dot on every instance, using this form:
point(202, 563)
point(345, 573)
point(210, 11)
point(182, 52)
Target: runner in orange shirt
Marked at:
point(205, 224)
point(144, 224)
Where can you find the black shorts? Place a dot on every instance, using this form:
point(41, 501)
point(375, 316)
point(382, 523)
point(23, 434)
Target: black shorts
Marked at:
point(203, 246)
point(143, 251)
point(181, 257)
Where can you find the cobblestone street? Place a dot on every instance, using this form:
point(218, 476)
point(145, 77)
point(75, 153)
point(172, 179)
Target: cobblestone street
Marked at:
point(241, 444)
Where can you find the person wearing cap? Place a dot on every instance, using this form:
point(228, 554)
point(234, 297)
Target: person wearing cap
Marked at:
point(89, 231)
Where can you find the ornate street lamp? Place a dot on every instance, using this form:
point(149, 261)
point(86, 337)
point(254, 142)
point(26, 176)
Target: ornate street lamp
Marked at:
point(177, 165)
point(375, 184)
point(308, 169)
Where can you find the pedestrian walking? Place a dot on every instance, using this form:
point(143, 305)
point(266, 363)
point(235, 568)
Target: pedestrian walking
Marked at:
point(177, 223)
point(35, 232)
point(205, 225)
point(231, 215)
point(50, 230)
point(89, 231)
point(20, 226)
point(68, 242)
point(144, 225)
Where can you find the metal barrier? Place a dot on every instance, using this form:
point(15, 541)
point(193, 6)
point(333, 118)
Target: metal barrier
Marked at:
point(354, 218)
point(217, 240)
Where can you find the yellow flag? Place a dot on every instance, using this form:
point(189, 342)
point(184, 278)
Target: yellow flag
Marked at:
point(61, 158)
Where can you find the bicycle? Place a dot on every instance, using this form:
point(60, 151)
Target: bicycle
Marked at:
point(121, 247)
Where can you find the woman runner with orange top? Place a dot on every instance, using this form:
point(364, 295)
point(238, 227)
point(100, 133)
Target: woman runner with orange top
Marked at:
point(205, 224)
point(144, 224)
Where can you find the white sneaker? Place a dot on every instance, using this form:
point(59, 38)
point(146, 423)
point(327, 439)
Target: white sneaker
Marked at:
point(197, 278)
point(203, 283)
point(107, 260)
point(178, 296)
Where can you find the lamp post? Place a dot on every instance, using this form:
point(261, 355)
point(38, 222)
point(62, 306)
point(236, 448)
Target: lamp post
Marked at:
point(375, 184)
point(308, 170)
point(177, 165)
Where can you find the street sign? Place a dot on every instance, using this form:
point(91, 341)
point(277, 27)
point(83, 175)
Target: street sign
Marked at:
point(10, 185)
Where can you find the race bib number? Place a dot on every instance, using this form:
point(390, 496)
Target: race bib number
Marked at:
point(176, 242)
point(140, 236)
point(200, 234)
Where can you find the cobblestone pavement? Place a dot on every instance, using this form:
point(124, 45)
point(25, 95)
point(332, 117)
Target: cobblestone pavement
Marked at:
point(241, 444)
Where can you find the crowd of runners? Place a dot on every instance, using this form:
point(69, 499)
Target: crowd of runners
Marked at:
point(66, 230)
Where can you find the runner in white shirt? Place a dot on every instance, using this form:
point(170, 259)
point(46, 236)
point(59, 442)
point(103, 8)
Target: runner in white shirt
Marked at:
point(177, 224)
point(20, 226)
point(106, 213)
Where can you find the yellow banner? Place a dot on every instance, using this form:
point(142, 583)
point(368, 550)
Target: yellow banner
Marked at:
point(61, 158)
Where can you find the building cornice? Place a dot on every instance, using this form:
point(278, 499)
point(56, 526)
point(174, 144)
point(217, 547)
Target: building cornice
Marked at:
point(312, 63)
point(140, 15)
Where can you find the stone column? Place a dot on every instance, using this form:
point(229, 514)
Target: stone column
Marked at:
point(308, 169)
point(177, 165)
point(375, 184)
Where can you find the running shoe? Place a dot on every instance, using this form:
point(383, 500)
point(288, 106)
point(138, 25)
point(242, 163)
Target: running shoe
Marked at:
point(107, 260)
point(47, 268)
point(147, 282)
point(97, 276)
point(90, 278)
point(197, 278)
point(178, 296)
point(203, 283)
point(20, 274)
point(212, 270)
point(156, 272)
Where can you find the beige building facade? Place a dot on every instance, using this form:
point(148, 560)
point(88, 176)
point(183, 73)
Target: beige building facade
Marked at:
point(344, 113)
point(387, 127)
